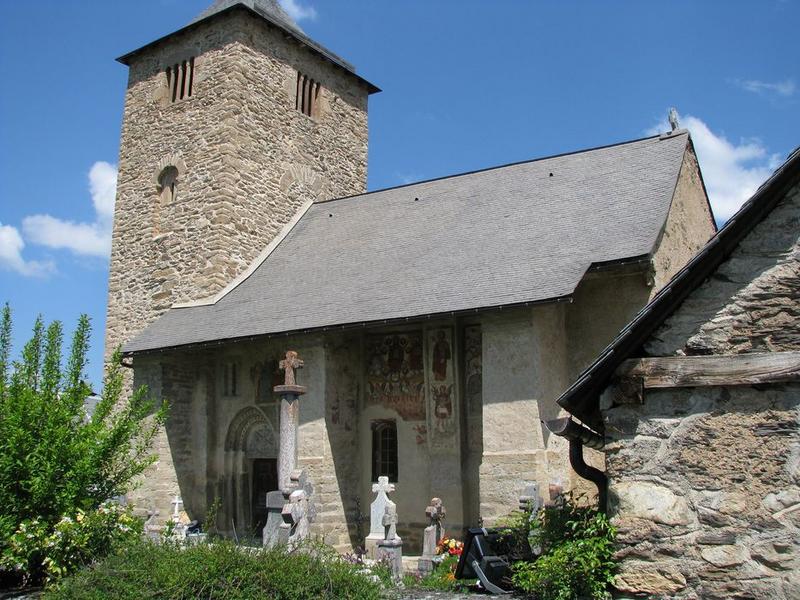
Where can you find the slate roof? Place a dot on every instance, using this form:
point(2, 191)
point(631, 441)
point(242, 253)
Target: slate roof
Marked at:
point(582, 399)
point(510, 235)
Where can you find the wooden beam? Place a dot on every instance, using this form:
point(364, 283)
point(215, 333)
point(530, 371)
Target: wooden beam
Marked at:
point(698, 371)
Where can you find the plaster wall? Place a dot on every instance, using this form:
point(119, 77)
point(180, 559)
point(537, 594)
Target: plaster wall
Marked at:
point(525, 367)
point(603, 303)
point(688, 227)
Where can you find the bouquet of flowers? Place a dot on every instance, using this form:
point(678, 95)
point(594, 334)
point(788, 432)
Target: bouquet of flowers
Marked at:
point(449, 546)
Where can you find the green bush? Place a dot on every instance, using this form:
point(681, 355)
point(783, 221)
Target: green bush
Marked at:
point(73, 542)
point(443, 577)
point(220, 570)
point(577, 545)
point(55, 461)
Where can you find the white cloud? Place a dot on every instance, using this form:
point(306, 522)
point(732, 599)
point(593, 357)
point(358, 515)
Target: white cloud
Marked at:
point(732, 172)
point(782, 88)
point(86, 239)
point(11, 246)
point(297, 11)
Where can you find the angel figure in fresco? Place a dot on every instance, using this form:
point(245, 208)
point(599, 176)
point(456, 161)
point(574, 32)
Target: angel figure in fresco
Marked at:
point(442, 406)
point(441, 354)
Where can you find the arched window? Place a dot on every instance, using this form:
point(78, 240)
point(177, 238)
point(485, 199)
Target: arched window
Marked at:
point(167, 185)
point(384, 450)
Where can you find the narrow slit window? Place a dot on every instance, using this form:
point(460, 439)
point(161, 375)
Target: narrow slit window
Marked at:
point(180, 80)
point(384, 450)
point(306, 94)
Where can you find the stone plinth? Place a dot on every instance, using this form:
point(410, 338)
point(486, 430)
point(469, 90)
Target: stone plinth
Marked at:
point(392, 552)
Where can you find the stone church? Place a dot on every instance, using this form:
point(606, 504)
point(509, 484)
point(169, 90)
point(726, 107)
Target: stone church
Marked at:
point(438, 321)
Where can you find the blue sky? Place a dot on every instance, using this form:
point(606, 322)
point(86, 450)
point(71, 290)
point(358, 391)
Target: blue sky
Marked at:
point(467, 84)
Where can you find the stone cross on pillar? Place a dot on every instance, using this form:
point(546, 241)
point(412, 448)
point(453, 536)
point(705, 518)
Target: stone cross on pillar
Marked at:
point(288, 366)
point(290, 419)
point(376, 511)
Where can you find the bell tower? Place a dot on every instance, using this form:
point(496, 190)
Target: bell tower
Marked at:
point(230, 126)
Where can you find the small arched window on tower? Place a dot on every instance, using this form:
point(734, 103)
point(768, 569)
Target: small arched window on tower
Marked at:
point(384, 450)
point(307, 93)
point(167, 193)
point(180, 79)
point(168, 185)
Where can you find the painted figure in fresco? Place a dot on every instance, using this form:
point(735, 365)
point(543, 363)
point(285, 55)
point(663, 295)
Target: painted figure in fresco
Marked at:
point(415, 361)
point(441, 354)
point(391, 379)
point(442, 405)
point(396, 354)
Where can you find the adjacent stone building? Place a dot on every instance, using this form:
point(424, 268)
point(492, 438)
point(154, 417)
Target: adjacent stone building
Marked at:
point(438, 321)
point(699, 403)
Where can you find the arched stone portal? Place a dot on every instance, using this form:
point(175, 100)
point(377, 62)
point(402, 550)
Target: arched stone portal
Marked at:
point(251, 451)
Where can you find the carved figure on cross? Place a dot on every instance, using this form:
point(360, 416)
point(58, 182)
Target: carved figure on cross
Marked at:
point(288, 366)
point(436, 513)
point(389, 521)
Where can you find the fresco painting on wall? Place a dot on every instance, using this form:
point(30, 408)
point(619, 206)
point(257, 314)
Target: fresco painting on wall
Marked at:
point(473, 377)
point(442, 418)
point(395, 373)
point(473, 386)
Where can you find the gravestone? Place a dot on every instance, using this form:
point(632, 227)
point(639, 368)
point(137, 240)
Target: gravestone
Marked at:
point(272, 530)
point(531, 500)
point(152, 530)
point(296, 517)
point(376, 512)
point(432, 534)
point(299, 510)
point(180, 519)
point(390, 548)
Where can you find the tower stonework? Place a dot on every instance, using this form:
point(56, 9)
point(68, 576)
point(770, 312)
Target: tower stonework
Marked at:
point(230, 126)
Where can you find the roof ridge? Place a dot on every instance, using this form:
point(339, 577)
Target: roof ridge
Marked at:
point(658, 137)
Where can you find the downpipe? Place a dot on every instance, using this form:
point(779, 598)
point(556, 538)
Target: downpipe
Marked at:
point(580, 436)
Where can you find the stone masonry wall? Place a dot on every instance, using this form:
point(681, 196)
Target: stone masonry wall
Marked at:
point(247, 160)
point(705, 482)
point(752, 302)
point(705, 486)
